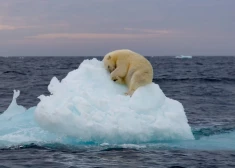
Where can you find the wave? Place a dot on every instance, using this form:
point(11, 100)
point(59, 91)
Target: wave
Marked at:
point(213, 138)
point(13, 72)
point(218, 140)
point(215, 130)
point(222, 79)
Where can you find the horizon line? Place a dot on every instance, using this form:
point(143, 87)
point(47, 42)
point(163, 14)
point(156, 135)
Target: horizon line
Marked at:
point(103, 56)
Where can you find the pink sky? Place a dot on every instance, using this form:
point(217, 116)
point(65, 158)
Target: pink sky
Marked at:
point(95, 27)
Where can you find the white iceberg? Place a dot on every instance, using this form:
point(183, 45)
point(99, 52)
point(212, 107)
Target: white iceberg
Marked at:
point(87, 105)
point(183, 56)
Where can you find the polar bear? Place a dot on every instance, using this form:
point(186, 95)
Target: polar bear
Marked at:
point(129, 68)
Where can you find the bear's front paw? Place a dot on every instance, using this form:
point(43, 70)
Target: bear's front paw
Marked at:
point(114, 79)
point(118, 79)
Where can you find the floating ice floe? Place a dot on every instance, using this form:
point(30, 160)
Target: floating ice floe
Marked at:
point(86, 106)
point(183, 56)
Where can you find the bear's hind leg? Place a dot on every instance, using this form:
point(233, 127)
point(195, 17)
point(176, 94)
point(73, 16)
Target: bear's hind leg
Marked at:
point(138, 79)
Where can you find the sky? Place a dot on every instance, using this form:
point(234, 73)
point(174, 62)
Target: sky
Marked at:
point(96, 27)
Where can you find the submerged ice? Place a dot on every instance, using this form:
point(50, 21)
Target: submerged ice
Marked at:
point(86, 106)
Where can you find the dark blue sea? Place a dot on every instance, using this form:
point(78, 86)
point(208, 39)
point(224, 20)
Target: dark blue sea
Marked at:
point(204, 85)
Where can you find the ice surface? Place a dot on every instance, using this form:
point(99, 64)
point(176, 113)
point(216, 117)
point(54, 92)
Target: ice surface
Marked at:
point(86, 106)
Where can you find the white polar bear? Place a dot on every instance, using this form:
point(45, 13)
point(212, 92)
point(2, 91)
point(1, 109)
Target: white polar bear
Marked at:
point(130, 68)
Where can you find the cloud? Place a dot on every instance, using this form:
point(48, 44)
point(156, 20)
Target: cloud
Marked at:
point(52, 36)
point(149, 31)
point(11, 27)
point(130, 33)
point(6, 27)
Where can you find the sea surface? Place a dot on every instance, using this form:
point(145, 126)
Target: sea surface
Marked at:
point(204, 85)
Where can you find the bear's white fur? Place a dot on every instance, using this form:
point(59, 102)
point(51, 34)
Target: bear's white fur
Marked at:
point(130, 68)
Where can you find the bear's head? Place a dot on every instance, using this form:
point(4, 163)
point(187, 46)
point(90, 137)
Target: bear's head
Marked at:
point(109, 63)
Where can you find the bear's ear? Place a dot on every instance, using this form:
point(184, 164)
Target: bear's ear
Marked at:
point(109, 57)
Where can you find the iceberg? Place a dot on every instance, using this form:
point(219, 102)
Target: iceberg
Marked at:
point(183, 56)
point(86, 106)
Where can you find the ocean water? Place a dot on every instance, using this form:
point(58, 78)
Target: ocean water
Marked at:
point(204, 85)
